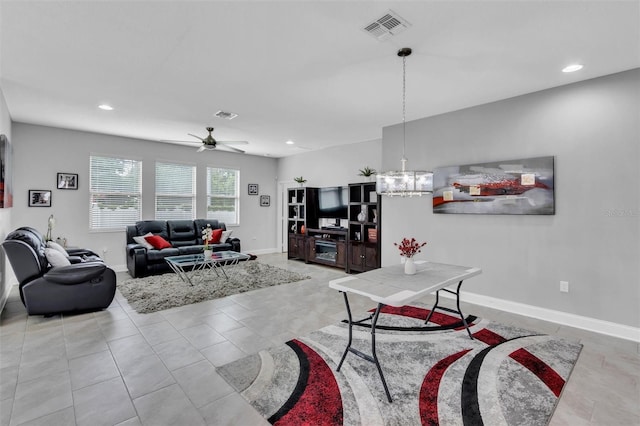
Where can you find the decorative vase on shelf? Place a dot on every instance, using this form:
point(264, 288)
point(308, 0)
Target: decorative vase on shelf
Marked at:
point(362, 216)
point(208, 254)
point(409, 266)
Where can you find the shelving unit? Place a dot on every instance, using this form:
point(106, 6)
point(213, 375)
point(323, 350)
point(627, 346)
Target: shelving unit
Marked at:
point(364, 227)
point(302, 207)
point(356, 248)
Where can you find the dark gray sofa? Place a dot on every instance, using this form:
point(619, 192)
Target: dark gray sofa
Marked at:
point(185, 237)
point(86, 284)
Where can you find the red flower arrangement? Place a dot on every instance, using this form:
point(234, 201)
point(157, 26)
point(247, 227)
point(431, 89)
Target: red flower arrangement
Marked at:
point(409, 247)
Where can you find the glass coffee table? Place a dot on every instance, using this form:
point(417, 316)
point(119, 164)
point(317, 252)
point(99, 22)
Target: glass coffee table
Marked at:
point(191, 266)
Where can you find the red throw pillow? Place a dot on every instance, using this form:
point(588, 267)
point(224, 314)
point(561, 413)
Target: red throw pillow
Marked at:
point(215, 236)
point(157, 242)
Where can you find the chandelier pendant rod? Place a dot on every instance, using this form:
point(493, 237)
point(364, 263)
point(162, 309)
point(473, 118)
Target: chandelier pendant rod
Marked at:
point(404, 183)
point(404, 107)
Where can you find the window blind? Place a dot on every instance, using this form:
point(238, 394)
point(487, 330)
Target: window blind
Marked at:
point(175, 191)
point(222, 195)
point(115, 191)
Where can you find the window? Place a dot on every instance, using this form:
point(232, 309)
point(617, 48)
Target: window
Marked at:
point(222, 195)
point(175, 191)
point(115, 190)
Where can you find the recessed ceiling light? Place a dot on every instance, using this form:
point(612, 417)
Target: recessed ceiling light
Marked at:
point(289, 142)
point(572, 68)
point(105, 107)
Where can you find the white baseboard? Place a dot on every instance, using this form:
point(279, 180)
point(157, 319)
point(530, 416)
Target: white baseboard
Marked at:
point(3, 298)
point(586, 323)
point(263, 251)
point(119, 268)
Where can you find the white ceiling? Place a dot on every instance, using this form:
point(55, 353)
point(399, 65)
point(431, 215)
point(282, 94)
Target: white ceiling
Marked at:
point(304, 71)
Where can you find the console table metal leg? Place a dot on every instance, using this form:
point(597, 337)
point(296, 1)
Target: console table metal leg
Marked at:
point(346, 351)
point(433, 309)
point(464, 321)
point(373, 350)
point(371, 358)
point(455, 311)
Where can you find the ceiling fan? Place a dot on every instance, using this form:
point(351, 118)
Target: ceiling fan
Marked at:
point(209, 142)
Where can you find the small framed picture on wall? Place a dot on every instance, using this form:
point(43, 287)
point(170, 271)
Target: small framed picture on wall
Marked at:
point(253, 189)
point(67, 181)
point(265, 200)
point(39, 198)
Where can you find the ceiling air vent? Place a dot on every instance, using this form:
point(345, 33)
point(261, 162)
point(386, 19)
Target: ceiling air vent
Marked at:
point(226, 115)
point(388, 25)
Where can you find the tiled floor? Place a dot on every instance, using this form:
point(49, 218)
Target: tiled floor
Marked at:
point(117, 367)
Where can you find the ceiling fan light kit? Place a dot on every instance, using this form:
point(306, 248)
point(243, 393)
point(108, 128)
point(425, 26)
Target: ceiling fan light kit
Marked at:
point(404, 183)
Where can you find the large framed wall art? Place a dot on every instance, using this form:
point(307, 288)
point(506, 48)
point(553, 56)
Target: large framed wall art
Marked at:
point(522, 186)
point(6, 174)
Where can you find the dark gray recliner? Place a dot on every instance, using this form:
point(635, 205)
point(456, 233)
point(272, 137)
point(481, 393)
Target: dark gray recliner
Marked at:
point(44, 290)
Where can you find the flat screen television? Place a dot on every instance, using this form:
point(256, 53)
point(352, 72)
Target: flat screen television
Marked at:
point(333, 202)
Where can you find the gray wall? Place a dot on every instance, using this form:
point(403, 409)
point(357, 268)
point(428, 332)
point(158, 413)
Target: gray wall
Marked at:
point(334, 166)
point(41, 152)
point(593, 240)
point(6, 277)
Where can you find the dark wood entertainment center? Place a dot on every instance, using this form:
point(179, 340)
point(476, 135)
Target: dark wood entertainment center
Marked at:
point(355, 248)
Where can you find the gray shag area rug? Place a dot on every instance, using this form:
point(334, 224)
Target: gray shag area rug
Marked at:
point(436, 375)
point(159, 292)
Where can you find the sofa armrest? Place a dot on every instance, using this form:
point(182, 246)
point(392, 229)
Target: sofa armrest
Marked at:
point(133, 247)
point(76, 273)
point(136, 260)
point(84, 258)
point(235, 243)
point(81, 252)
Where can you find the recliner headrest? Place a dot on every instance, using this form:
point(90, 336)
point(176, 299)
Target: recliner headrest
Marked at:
point(34, 239)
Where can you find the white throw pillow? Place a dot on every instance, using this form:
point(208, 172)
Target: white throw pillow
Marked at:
point(225, 235)
point(144, 243)
point(57, 247)
point(55, 258)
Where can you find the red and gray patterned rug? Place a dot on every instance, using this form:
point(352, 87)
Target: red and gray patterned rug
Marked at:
point(435, 373)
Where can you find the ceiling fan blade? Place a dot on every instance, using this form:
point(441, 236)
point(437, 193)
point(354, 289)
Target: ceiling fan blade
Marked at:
point(195, 136)
point(234, 142)
point(231, 147)
point(202, 148)
point(175, 140)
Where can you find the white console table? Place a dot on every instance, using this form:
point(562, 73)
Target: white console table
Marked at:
point(391, 286)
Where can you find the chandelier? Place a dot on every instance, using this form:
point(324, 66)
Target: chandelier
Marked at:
point(404, 183)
